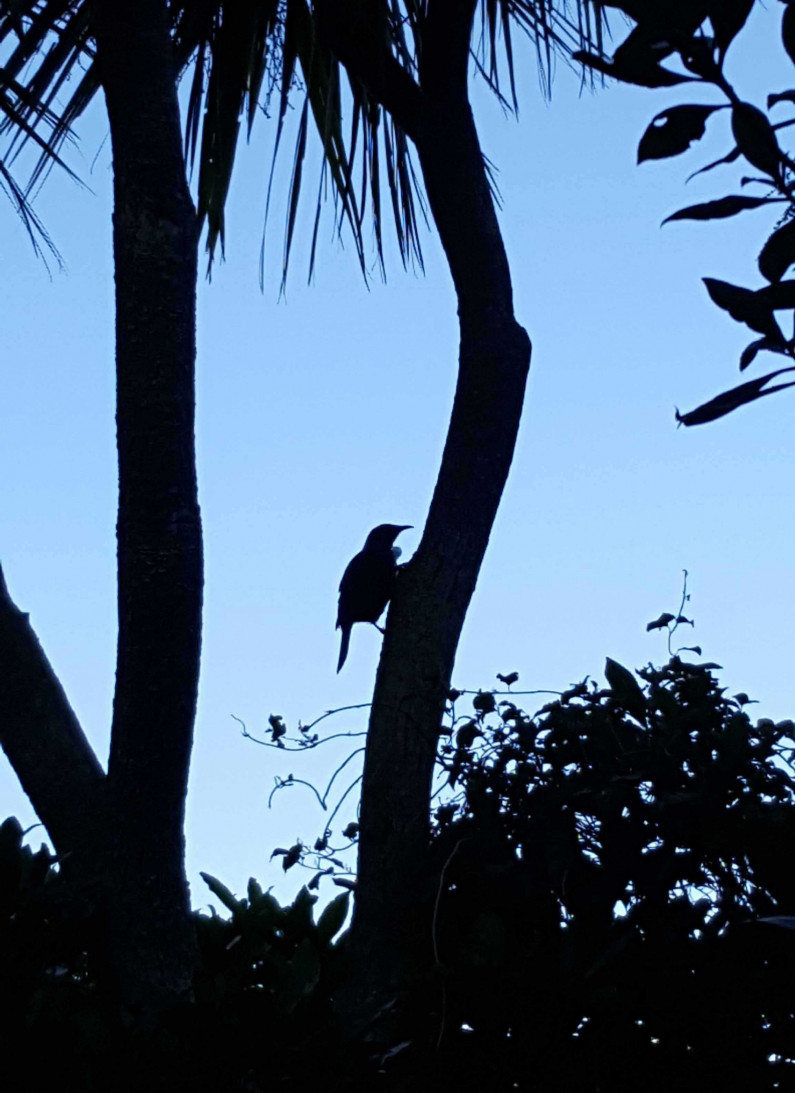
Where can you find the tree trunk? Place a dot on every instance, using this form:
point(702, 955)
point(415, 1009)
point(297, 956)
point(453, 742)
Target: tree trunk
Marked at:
point(120, 835)
point(159, 527)
point(391, 930)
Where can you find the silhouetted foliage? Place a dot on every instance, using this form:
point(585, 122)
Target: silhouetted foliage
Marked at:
point(607, 878)
point(698, 34)
point(261, 1014)
point(604, 867)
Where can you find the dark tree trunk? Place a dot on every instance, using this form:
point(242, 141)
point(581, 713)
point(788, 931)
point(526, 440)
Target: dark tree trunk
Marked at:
point(42, 738)
point(159, 526)
point(391, 930)
point(120, 835)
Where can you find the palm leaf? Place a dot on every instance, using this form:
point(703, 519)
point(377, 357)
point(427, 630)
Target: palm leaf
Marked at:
point(33, 226)
point(241, 53)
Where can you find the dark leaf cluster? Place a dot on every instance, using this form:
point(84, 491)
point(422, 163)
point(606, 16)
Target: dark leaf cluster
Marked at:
point(261, 1015)
point(611, 899)
point(604, 869)
point(696, 36)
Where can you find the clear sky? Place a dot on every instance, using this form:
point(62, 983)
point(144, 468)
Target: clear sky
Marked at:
point(324, 413)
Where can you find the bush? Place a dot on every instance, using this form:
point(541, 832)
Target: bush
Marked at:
point(605, 867)
point(611, 897)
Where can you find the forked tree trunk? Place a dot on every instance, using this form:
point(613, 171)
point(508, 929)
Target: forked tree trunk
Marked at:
point(391, 930)
point(121, 834)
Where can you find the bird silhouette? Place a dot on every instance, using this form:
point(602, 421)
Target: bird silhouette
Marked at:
point(367, 583)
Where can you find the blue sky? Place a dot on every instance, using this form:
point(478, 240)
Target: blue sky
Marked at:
point(323, 413)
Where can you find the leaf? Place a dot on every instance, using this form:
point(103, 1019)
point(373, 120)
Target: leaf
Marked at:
point(292, 856)
point(264, 910)
point(465, 737)
point(648, 75)
point(509, 679)
point(728, 19)
point(778, 253)
point(222, 892)
point(730, 157)
point(788, 31)
point(661, 622)
point(314, 884)
point(484, 702)
point(748, 355)
point(11, 834)
point(626, 689)
point(295, 189)
point(333, 918)
point(731, 400)
point(756, 138)
point(345, 882)
point(744, 307)
point(720, 209)
point(672, 131)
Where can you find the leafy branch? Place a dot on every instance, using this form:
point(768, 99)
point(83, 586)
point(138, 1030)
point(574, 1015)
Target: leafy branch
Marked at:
point(699, 35)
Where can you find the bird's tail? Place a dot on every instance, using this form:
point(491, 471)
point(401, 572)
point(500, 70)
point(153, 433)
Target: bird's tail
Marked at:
point(346, 637)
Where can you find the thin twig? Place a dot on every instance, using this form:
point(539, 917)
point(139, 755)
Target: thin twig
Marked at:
point(434, 939)
point(283, 783)
point(685, 597)
point(343, 764)
point(353, 784)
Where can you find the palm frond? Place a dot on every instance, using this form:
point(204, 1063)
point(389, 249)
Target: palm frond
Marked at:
point(41, 43)
point(556, 28)
point(230, 46)
point(37, 233)
point(243, 55)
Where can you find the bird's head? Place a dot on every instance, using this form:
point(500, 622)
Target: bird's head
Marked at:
point(384, 536)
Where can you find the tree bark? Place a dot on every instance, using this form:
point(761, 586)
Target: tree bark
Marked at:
point(160, 571)
point(391, 930)
point(120, 835)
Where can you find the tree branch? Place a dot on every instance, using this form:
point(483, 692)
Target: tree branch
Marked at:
point(352, 30)
point(390, 933)
point(446, 37)
point(40, 733)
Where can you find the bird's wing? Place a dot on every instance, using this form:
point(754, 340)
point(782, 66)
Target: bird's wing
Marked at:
point(351, 578)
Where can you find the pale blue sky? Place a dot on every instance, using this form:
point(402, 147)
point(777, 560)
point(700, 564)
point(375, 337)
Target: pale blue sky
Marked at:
point(324, 413)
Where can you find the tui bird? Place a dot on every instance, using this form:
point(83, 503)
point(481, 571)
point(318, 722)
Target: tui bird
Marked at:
point(367, 583)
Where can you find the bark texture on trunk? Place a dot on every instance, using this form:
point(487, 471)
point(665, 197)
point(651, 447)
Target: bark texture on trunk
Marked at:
point(391, 930)
point(120, 835)
point(159, 526)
